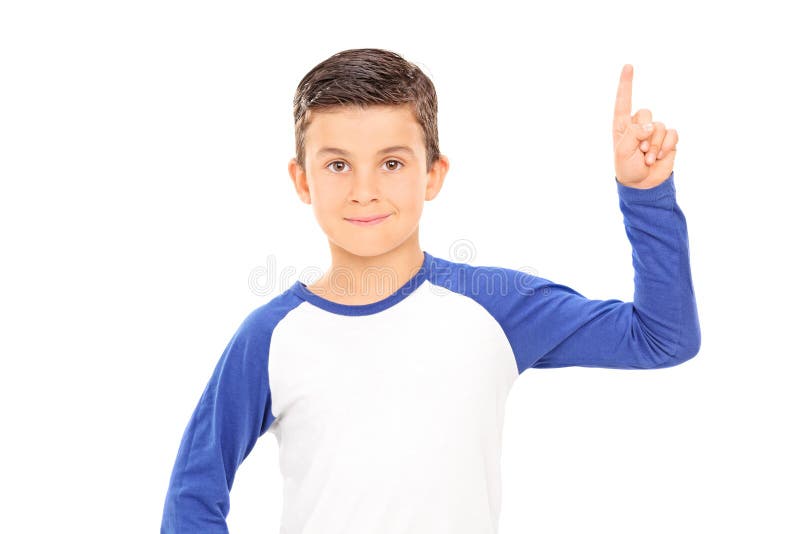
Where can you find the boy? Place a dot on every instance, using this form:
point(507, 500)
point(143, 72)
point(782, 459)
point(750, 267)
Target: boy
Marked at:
point(384, 381)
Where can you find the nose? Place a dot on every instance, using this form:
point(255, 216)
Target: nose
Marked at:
point(364, 187)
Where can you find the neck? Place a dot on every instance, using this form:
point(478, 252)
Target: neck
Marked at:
point(354, 279)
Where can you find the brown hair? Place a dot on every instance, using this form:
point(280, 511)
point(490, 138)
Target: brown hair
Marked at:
point(362, 77)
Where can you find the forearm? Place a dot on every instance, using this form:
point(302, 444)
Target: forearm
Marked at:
point(664, 305)
point(659, 328)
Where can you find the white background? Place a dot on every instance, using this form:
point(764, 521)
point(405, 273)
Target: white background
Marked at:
point(143, 157)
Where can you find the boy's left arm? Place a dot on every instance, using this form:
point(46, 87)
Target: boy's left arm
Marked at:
point(552, 325)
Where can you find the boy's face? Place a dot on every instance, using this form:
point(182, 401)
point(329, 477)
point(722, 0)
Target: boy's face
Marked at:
point(355, 168)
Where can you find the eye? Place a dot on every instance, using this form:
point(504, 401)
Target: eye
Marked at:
point(395, 168)
point(339, 162)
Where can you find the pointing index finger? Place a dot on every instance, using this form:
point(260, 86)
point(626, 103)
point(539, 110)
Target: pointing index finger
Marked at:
point(622, 109)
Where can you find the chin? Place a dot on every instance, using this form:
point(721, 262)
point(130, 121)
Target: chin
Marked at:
point(367, 248)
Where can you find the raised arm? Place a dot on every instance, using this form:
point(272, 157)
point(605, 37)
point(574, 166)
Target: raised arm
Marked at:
point(552, 325)
point(233, 412)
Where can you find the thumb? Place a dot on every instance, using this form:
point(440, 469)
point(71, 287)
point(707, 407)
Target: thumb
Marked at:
point(634, 134)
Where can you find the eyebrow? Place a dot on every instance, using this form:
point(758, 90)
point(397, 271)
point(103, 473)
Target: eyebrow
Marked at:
point(341, 152)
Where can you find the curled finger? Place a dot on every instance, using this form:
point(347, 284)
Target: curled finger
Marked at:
point(643, 116)
point(656, 140)
point(670, 140)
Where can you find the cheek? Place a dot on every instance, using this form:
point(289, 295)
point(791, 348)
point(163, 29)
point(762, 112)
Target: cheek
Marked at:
point(324, 202)
point(408, 196)
point(324, 194)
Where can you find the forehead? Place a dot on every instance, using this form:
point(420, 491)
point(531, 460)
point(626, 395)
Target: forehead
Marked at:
point(367, 130)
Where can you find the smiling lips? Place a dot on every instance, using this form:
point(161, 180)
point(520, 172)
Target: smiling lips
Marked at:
point(375, 219)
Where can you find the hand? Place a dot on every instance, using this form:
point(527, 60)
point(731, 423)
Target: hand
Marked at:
point(642, 158)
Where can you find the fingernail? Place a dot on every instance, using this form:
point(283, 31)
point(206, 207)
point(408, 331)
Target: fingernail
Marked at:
point(660, 154)
point(648, 127)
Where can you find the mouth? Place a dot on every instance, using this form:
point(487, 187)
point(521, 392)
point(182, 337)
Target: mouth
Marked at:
point(362, 221)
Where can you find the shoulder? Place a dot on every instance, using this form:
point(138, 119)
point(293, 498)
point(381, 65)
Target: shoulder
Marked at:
point(486, 283)
point(262, 320)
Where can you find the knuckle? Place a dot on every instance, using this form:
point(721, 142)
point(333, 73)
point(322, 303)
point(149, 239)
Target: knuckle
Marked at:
point(659, 136)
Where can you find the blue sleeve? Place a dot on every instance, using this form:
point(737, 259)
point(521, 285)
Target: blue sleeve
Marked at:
point(233, 412)
point(552, 325)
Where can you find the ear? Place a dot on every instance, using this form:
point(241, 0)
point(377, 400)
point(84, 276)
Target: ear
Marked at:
point(436, 177)
point(299, 180)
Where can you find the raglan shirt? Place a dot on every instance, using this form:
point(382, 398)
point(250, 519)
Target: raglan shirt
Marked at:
point(389, 415)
